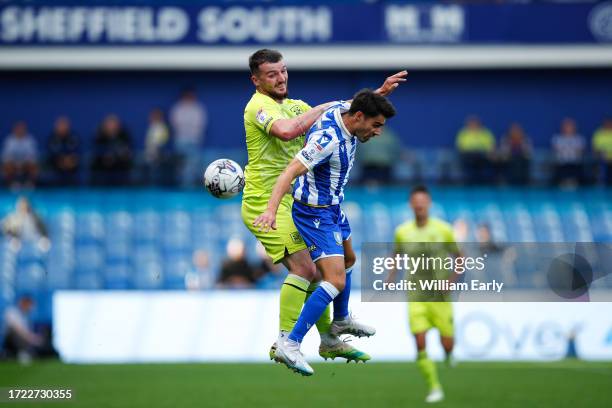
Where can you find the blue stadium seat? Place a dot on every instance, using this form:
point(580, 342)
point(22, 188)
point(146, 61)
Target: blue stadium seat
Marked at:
point(119, 223)
point(148, 275)
point(87, 280)
point(59, 275)
point(117, 276)
point(118, 249)
point(146, 227)
point(175, 269)
point(31, 278)
point(90, 227)
point(89, 257)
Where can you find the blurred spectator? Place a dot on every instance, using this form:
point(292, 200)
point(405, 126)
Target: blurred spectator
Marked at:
point(157, 155)
point(201, 275)
point(602, 147)
point(515, 155)
point(24, 225)
point(268, 274)
point(19, 340)
point(20, 157)
point(189, 119)
point(462, 230)
point(485, 239)
point(236, 272)
point(476, 146)
point(378, 157)
point(568, 149)
point(112, 153)
point(63, 151)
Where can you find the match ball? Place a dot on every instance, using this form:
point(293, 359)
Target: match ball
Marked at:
point(224, 178)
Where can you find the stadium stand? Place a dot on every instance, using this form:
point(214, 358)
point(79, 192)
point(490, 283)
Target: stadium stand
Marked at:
point(145, 240)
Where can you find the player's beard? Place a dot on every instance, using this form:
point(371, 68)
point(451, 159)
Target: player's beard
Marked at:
point(280, 95)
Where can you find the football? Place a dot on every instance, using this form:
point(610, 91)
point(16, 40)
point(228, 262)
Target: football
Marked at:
point(224, 178)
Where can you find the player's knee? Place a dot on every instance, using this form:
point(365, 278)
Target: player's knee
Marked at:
point(306, 270)
point(349, 260)
point(338, 282)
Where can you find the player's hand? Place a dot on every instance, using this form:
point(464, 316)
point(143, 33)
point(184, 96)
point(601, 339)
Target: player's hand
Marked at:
point(265, 221)
point(392, 82)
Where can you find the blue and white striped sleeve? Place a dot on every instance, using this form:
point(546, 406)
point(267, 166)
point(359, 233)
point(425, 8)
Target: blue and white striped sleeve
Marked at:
point(318, 149)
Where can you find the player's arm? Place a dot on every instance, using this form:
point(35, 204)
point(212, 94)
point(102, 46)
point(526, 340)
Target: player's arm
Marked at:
point(267, 220)
point(391, 83)
point(289, 129)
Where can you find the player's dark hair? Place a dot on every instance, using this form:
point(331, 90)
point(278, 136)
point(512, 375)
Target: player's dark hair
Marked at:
point(419, 189)
point(261, 57)
point(371, 104)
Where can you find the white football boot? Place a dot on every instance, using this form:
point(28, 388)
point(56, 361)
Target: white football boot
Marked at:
point(351, 326)
point(435, 395)
point(288, 352)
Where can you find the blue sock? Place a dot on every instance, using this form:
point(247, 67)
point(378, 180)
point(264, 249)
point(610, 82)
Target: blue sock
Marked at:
point(313, 309)
point(341, 310)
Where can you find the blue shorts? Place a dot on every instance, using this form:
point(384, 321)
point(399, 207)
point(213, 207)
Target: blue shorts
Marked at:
point(323, 229)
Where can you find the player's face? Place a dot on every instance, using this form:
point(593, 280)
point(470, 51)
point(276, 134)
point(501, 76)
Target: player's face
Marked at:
point(420, 203)
point(272, 80)
point(367, 128)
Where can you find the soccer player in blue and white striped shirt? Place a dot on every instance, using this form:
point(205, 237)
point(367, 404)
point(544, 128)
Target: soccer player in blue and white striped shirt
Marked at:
point(322, 170)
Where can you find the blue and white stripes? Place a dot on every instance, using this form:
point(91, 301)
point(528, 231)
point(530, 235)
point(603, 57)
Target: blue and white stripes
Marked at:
point(328, 154)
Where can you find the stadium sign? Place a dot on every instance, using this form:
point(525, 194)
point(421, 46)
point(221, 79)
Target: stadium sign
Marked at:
point(140, 35)
point(141, 327)
point(135, 25)
point(336, 24)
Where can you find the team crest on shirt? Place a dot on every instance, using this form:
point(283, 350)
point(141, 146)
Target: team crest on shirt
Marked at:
point(296, 109)
point(338, 237)
point(261, 116)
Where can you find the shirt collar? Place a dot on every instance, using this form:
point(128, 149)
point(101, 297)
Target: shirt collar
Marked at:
point(338, 115)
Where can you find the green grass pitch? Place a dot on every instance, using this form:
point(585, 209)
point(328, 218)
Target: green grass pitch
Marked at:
point(373, 385)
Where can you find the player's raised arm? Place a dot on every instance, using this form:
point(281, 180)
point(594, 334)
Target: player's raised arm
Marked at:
point(391, 83)
point(289, 129)
point(267, 220)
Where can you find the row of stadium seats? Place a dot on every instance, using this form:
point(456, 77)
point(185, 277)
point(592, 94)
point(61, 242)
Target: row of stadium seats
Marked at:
point(145, 240)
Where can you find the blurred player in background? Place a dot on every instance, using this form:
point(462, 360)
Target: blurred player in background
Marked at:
point(275, 126)
point(323, 167)
point(428, 309)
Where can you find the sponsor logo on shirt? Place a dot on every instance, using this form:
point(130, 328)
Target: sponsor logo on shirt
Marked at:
point(261, 116)
point(321, 142)
point(317, 222)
